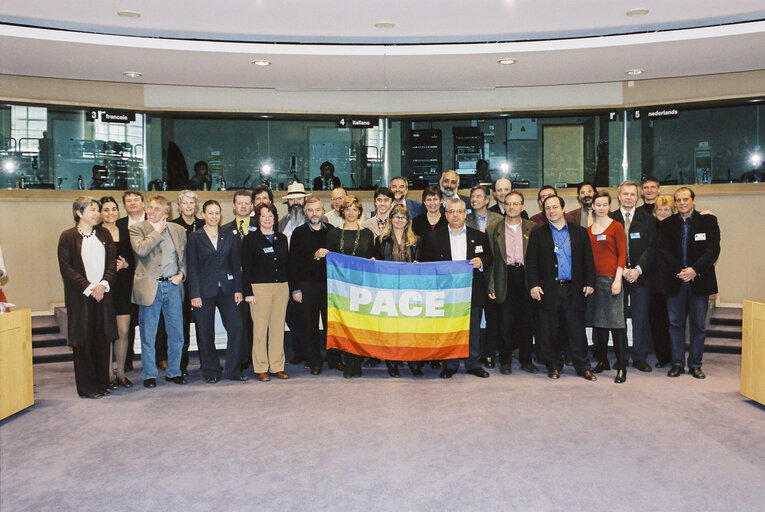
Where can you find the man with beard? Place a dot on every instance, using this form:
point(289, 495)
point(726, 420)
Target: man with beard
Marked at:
point(308, 282)
point(449, 185)
point(400, 186)
point(584, 193)
point(295, 199)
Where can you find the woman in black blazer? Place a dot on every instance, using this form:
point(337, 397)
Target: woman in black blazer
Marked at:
point(264, 265)
point(215, 279)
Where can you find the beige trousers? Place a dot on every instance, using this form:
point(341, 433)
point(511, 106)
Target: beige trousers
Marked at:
point(268, 315)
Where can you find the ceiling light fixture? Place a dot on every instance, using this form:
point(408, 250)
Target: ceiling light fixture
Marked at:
point(129, 14)
point(640, 11)
point(262, 62)
point(384, 25)
point(634, 72)
point(507, 61)
point(132, 74)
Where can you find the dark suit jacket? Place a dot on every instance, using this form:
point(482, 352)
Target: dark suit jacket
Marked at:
point(210, 268)
point(497, 276)
point(232, 228)
point(493, 218)
point(264, 262)
point(318, 183)
point(437, 248)
point(542, 262)
point(75, 283)
point(641, 240)
point(703, 249)
point(577, 215)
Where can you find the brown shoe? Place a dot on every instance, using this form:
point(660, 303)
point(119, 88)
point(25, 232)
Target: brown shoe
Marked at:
point(281, 375)
point(505, 369)
point(554, 374)
point(588, 375)
point(162, 365)
point(263, 377)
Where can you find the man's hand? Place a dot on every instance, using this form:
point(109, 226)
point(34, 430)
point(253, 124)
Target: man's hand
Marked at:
point(177, 278)
point(297, 297)
point(476, 262)
point(687, 274)
point(631, 274)
point(238, 298)
point(536, 293)
point(493, 296)
point(589, 290)
point(161, 225)
point(320, 253)
point(249, 299)
point(98, 292)
point(196, 302)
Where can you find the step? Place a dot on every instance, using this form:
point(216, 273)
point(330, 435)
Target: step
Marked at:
point(48, 340)
point(724, 331)
point(51, 354)
point(717, 345)
point(44, 325)
point(727, 316)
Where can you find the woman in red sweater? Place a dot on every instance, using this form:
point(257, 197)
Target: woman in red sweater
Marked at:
point(605, 308)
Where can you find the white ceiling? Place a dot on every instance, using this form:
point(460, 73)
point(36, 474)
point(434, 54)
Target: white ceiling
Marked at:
point(315, 45)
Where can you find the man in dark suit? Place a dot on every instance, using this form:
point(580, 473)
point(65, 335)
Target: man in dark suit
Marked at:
point(133, 202)
point(400, 187)
point(241, 226)
point(502, 187)
point(689, 244)
point(539, 218)
point(640, 227)
point(650, 192)
point(561, 274)
point(457, 243)
point(508, 285)
point(585, 193)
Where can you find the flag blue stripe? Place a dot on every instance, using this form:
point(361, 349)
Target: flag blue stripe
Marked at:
point(396, 268)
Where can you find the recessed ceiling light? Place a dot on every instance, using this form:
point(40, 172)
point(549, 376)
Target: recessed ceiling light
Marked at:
point(262, 62)
point(507, 61)
point(132, 74)
point(129, 14)
point(640, 11)
point(384, 25)
point(634, 72)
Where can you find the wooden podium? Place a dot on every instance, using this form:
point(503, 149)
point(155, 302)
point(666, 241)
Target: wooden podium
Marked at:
point(753, 352)
point(16, 384)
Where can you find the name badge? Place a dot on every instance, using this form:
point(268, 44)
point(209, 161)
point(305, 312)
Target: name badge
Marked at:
point(230, 277)
point(700, 237)
point(268, 249)
point(601, 238)
point(235, 231)
point(478, 249)
point(634, 235)
point(252, 228)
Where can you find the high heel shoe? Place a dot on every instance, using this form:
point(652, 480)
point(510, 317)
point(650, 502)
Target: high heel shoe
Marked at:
point(621, 376)
point(602, 365)
point(124, 382)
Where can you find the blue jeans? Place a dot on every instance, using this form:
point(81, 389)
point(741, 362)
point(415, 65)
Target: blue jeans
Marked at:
point(170, 302)
point(685, 302)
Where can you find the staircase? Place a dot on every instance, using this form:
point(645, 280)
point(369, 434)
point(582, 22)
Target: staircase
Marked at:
point(48, 340)
point(724, 331)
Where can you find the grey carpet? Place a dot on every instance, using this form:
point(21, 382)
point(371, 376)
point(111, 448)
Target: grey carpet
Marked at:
point(518, 442)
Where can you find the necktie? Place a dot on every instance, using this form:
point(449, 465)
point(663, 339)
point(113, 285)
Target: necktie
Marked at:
point(590, 220)
point(241, 228)
point(627, 222)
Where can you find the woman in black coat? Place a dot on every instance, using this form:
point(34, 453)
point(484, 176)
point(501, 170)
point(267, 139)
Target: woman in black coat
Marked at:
point(215, 279)
point(87, 261)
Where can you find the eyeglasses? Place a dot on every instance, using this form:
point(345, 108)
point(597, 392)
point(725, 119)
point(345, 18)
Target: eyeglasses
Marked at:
point(515, 203)
point(453, 212)
point(400, 217)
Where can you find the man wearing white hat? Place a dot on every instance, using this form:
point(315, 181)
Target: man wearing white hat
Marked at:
point(295, 200)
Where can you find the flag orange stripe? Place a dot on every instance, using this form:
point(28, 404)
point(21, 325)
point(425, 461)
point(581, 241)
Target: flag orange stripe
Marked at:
point(398, 353)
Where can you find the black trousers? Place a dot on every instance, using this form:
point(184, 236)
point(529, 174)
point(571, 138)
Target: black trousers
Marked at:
point(489, 340)
point(473, 360)
point(296, 322)
point(131, 337)
point(245, 345)
point(659, 322)
point(515, 319)
point(600, 345)
point(205, 324)
point(91, 355)
point(315, 306)
point(563, 302)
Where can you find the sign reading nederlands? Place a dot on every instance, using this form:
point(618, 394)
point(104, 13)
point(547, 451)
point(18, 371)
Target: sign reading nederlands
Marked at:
point(657, 113)
point(111, 116)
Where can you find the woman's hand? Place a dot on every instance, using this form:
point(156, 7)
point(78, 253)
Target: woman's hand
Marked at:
point(616, 287)
point(196, 302)
point(237, 298)
point(250, 299)
point(121, 263)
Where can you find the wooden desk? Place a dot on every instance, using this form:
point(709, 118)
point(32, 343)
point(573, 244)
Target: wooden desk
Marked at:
point(753, 352)
point(16, 384)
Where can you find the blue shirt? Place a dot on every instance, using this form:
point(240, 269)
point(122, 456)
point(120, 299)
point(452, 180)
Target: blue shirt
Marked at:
point(562, 242)
point(686, 225)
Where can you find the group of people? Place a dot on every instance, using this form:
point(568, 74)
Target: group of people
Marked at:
point(546, 278)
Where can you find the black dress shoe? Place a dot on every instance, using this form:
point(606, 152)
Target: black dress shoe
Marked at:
point(94, 396)
point(479, 372)
point(530, 367)
point(150, 383)
point(697, 373)
point(446, 374)
point(621, 376)
point(588, 375)
point(553, 374)
point(180, 379)
point(435, 365)
point(642, 365)
point(113, 385)
point(488, 362)
point(675, 371)
point(315, 370)
point(124, 382)
point(393, 371)
point(505, 369)
point(416, 372)
point(602, 365)
point(213, 380)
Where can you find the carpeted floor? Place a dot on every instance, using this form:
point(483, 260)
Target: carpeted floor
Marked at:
point(518, 442)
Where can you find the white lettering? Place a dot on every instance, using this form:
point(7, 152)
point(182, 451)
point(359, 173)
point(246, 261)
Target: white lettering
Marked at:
point(359, 296)
point(434, 303)
point(384, 303)
point(405, 303)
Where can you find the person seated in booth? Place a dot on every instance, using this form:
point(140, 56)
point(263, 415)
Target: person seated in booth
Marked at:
point(201, 179)
point(98, 182)
point(327, 180)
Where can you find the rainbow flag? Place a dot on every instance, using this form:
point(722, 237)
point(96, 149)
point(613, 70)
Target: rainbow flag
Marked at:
point(398, 311)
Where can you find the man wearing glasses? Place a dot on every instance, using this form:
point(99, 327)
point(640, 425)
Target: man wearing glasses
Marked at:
point(459, 243)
